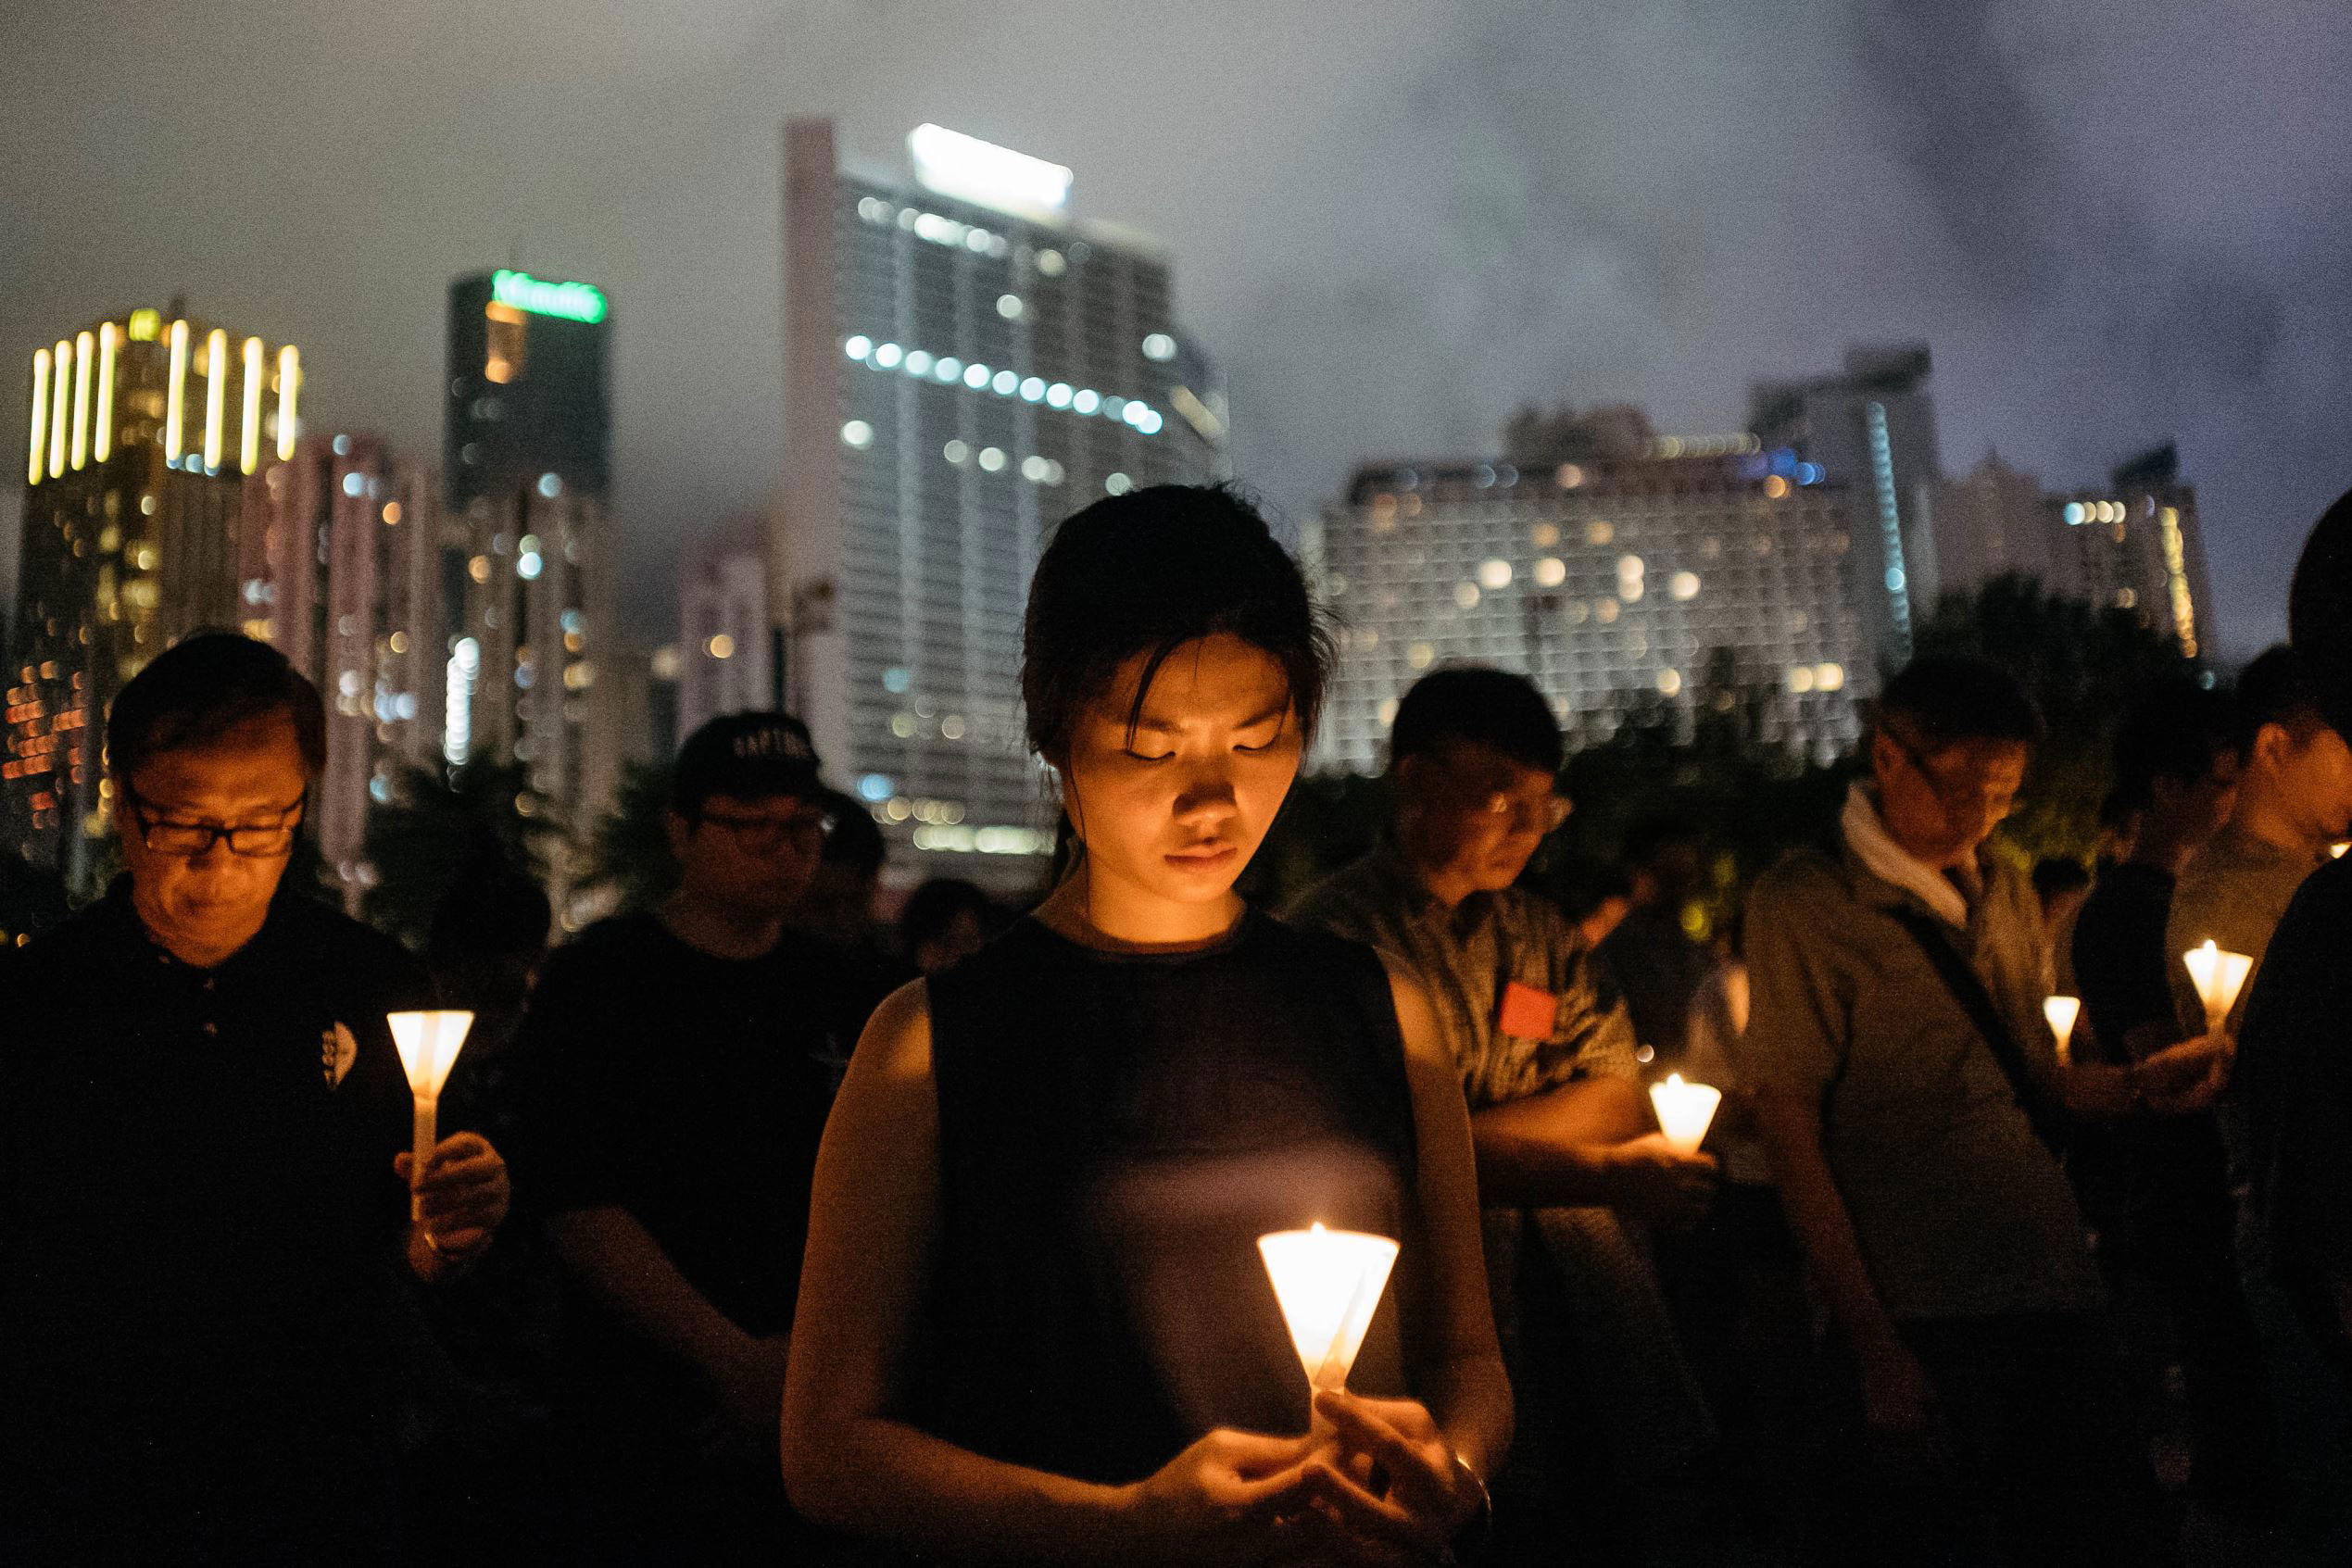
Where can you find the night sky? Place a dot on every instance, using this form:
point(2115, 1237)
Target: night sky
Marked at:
point(2115, 222)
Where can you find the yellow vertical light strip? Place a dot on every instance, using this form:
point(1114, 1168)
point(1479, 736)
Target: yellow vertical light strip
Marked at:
point(61, 368)
point(249, 437)
point(289, 384)
point(83, 347)
point(216, 395)
point(101, 433)
point(40, 416)
point(175, 403)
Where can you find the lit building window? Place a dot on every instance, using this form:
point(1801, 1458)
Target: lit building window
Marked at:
point(1009, 306)
point(1669, 683)
point(1684, 586)
point(1118, 484)
point(858, 434)
point(1159, 347)
point(1465, 595)
point(991, 459)
point(1494, 574)
point(719, 646)
point(1551, 572)
point(858, 346)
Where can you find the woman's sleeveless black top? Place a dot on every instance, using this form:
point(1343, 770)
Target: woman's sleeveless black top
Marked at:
point(1115, 1132)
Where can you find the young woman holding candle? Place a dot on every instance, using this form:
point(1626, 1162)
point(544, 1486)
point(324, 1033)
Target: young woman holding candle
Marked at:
point(1034, 1324)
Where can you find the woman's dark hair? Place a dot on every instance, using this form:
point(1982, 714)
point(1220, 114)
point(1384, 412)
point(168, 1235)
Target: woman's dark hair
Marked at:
point(1147, 572)
point(207, 683)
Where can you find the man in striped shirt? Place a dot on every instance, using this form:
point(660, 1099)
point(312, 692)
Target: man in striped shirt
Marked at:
point(1567, 1150)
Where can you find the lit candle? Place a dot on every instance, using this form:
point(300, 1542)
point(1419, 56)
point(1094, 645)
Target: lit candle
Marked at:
point(1684, 1111)
point(2218, 974)
point(2062, 1011)
point(1329, 1284)
point(428, 1043)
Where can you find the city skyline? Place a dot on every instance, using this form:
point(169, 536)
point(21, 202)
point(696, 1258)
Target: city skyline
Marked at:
point(1651, 233)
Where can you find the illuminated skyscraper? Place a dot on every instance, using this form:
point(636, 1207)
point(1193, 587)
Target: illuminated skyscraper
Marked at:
point(1871, 429)
point(1640, 577)
point(521, 582)
point(2138, 545)
point(529, 387)
point(965, 364)
point(147, 440)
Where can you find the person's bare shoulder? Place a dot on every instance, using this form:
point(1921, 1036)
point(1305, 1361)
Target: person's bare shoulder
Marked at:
point(896, 1046)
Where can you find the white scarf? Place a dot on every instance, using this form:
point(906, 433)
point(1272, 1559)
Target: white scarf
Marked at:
point(1865, 835)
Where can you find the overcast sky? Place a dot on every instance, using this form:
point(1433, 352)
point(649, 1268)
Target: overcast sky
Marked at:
point(1391, 219)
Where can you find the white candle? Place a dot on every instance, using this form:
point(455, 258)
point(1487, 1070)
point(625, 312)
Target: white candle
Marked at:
point(2062, 1011)
point(428, 1043)
point(1684, 1111)
point(2218, 974)
point(1329, 1283)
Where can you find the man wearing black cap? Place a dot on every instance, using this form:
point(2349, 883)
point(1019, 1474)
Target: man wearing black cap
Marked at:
point(680, 1066)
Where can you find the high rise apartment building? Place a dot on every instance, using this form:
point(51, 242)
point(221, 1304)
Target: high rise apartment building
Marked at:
point(340, 575)
point(2134, 544)
point(722, 627)
point(1992, 523)
point(149, 436)
point(1636, 573)
point(2138, 545)
point(523, 580)
point(965, 364)
point(1871, 431)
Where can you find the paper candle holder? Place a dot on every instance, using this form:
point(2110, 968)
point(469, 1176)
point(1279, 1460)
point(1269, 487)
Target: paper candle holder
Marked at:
point(2062, 1013)
point(2219, 974)
point(1329, 1285)
point(429, 1043)
point(1685, 1112)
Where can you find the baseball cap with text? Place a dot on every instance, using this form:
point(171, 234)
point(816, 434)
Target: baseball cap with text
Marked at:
point(747, 756)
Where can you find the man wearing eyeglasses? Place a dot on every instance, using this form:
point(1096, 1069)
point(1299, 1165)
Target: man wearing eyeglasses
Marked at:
point(203, 1192)
point(679, 1066)
point(1908, 1092)
point(1567, 1149)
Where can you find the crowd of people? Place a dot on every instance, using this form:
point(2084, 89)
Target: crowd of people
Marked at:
point(770, 1233)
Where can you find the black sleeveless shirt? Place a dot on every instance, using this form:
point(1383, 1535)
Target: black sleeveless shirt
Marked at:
point(1115, 1132)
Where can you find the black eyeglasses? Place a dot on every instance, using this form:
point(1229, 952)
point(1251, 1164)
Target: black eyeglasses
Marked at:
point(1952, 796)
point(255, 841)
point(761, 834)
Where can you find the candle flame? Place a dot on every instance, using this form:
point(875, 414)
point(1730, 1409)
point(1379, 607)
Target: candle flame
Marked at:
point(1329, 1283)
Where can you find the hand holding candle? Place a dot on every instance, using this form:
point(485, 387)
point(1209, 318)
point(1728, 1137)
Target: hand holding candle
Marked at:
point(2218, 975)
point(2062, 1011)
point(1685, 1112)
point(428, 1043)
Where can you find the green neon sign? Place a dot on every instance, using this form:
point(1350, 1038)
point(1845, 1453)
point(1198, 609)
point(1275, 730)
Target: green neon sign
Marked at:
point(573, 302)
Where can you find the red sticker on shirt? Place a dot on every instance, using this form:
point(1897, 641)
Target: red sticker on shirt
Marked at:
point(1528, 1013)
